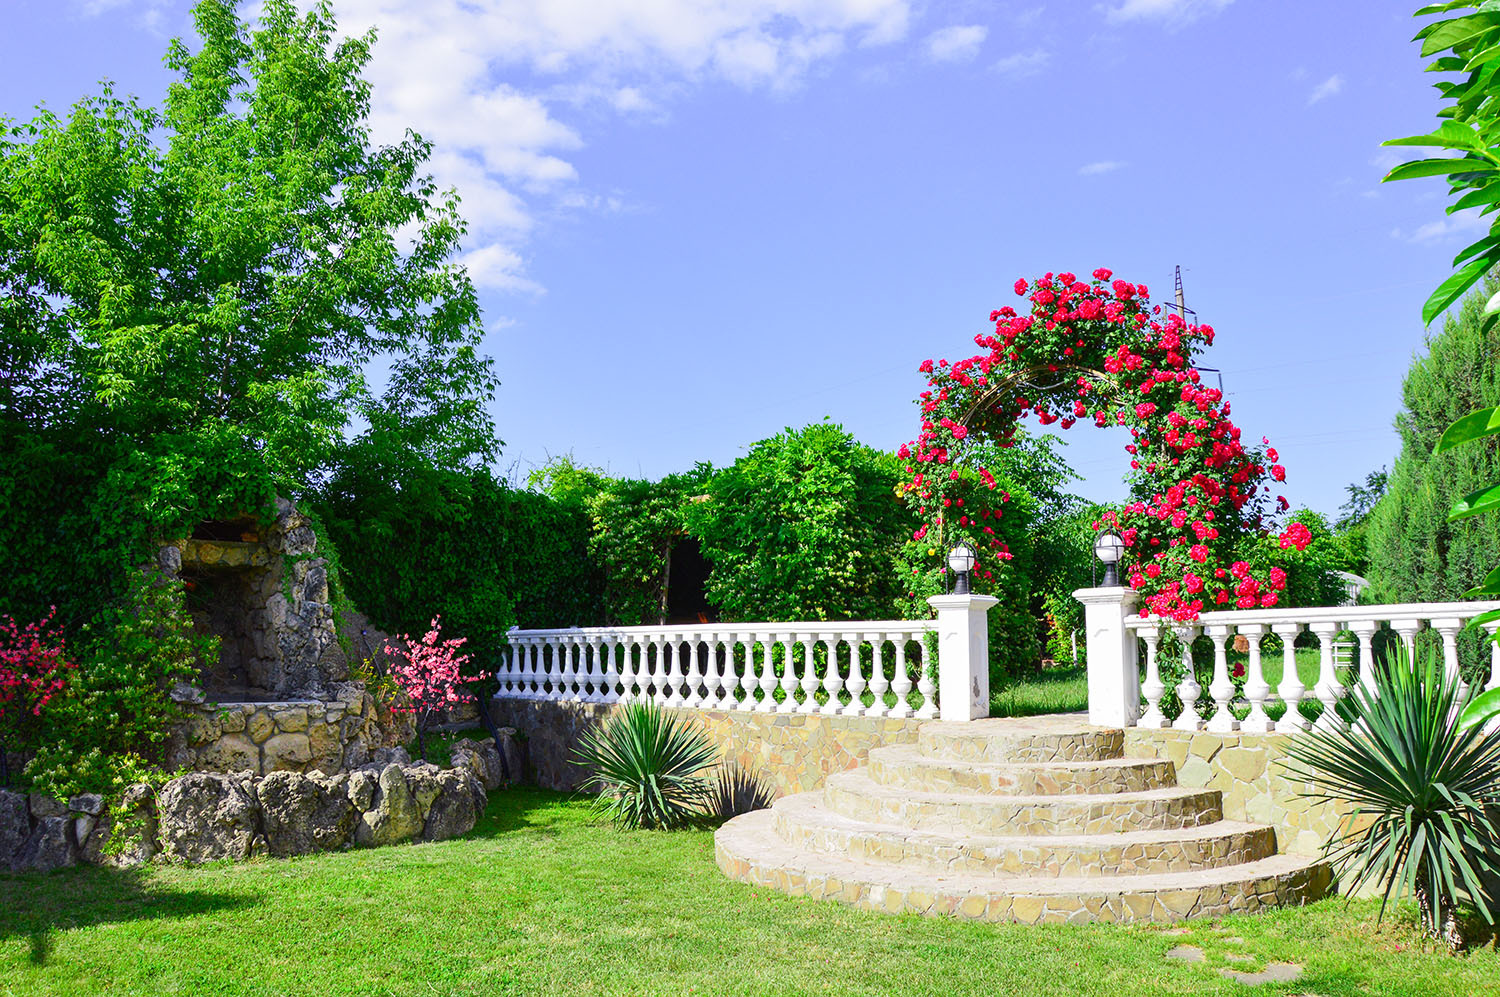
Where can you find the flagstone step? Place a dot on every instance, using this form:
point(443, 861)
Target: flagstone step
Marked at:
point(1059, 738)
point(748, 849)
point(904, 766)
point(805, 822)
point(854, 794)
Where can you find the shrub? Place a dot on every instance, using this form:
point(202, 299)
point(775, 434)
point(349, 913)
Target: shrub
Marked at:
point(648, 766)
point(1424, 792)
point(737, 790)
point(32, 671)
point(430, 674)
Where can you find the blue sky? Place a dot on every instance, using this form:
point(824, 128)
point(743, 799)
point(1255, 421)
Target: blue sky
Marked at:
point(698, 221)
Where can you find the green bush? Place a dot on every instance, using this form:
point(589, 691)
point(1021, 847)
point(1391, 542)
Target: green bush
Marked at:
point(1425, 792)
point(648, 766)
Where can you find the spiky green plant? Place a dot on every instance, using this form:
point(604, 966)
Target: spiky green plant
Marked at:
point(737, 790)
point(648, 766)
point(1424, 792)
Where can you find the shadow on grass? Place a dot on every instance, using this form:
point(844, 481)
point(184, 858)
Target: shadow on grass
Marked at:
point(535, 811)
point(36, 905)
point(1055, 690)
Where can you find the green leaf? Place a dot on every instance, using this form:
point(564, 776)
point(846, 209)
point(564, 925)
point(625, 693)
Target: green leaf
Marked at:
point(1490, 586)
point(1475, 248)
point(1488, 194)
point(1486, 617)
point(1450, 135)
point(1437, 168)
point(1484, 500)
point(1450, 34)
point(1484, 422)
point(1443, 8)
point(1453, 288)
point(1484, 708)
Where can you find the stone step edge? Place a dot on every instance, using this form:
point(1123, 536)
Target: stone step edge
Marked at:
point(899, 757)
point(806, 824)
point(747, 850)
point(798, 804)
point(858, 780)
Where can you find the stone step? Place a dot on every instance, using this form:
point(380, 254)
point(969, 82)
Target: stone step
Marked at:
point(1058, 738)
point(904, 766)
point(805, 822)
point(854, 794)
point(748, 849)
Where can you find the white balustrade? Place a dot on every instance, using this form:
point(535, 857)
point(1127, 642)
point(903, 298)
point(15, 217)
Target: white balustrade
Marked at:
point(859, 668)
point(1326, 624)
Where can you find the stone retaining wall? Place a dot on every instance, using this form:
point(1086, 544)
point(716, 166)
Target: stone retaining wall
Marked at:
point(207, 816)
point(1249, 770)
point(305, 735)
point(792, 753)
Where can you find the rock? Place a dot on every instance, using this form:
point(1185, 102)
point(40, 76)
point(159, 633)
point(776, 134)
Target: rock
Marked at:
point(203, 728)
point(393, 816)
point(484, 760)
point(422, 780)
point(49, 846)
point(46, 806)
point(87, 803)
point(169, 559)
point(186, 692)
point(304, 813)
point(136, 828)
point(390, 756)
point(230, 753)
point(233, 721)
point(205, 817)
point(454, 810)
point(286, 752)
point(323, 743)
point(91, 843)
point(260, 726)
point(15, 825)
point(362, 789)
point(291, 720)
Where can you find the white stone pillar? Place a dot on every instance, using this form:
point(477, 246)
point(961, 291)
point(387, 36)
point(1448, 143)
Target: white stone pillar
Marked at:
point(963, 655)
point(1114, 681)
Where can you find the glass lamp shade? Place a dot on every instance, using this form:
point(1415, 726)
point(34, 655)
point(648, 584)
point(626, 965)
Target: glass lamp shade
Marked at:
point(961, 559)
point(1108, 548)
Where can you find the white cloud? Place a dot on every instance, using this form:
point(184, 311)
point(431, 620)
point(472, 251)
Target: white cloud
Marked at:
point(1467, 224)
point(1100, 168)
point(452, 71)
point(1171, 11)
point(1022, 63)
point(956, 43)
point(1328, 88)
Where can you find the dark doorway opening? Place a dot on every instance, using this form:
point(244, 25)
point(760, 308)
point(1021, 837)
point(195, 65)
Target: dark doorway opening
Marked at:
point(687, 585)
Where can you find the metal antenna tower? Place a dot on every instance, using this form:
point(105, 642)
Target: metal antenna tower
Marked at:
point(1183, 311)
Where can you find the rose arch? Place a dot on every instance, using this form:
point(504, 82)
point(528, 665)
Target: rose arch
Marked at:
point(1198, 530)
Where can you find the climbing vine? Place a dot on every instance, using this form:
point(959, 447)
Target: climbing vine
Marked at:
point(1195, 531)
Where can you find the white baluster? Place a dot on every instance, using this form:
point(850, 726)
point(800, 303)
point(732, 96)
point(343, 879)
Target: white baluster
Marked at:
point(1222, 686)
point(571, 684)
point(767, 675)
point(856, 683)
point(1329, 690)
point(1153, 688)
point(547, 681)
point(1188, 690)
point(901, 686)
point(788, 702)
point(1449, 629)
point(659, 671)
point(633, 661)
point(810, 683)
point(833, 681)
point(676, 672)
point(591, 679)
point(1364, 633)
point(1291, 688)
point(736, 681)
point(692, 698)
point(1407, 631)
point(878, 682)
point(927, 684)
point(720, 694)
point(610, 676)
point(1257, 689)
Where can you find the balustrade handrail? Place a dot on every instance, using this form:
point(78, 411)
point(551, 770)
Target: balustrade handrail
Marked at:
point(1394, 612)
point(841, 627)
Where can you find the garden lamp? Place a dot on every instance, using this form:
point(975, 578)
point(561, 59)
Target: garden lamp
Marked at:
point(961, 561)
point(1108, 549)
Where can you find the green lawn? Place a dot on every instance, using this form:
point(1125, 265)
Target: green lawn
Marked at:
point(542, 900)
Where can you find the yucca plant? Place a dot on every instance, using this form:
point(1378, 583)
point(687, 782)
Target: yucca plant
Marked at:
point(1425, 793)
point(737, 790)
point(648, 766)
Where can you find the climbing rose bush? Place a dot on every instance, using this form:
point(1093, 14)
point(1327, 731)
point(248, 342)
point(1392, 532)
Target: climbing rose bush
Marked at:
point(33, 670)
point(1100, 351)
point(430, 674)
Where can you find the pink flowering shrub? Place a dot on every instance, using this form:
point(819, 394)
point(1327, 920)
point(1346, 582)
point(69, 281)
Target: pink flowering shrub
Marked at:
point(1100, 351)
point(33, 670)
point(430, 675)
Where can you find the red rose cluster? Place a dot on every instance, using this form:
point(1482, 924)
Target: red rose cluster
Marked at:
point(1099, 350)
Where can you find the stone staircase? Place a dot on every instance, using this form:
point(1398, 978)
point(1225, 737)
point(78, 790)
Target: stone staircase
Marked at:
point(1036, 820)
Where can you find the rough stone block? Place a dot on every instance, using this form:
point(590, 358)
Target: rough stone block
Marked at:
point(230, 753)
point(49, 846)
point(291, 720)
point(286, 752)
point(205, 817)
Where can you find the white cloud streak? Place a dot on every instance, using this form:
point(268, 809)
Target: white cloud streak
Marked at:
point(1328, 88)
point(1022, 64)
point(1100, 168)
point(957, 43)
point(1174, 12)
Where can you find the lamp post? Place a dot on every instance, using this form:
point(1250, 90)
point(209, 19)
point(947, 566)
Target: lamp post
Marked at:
point(961, 561)
point(1108, 549)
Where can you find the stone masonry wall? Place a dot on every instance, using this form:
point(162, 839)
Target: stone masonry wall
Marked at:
point(1249, 770)
point(792, 753)
point(326, 736)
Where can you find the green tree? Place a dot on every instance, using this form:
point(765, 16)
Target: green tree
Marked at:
point(805, 526)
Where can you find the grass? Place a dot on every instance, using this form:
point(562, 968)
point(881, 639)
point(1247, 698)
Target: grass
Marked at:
point(541, 899)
